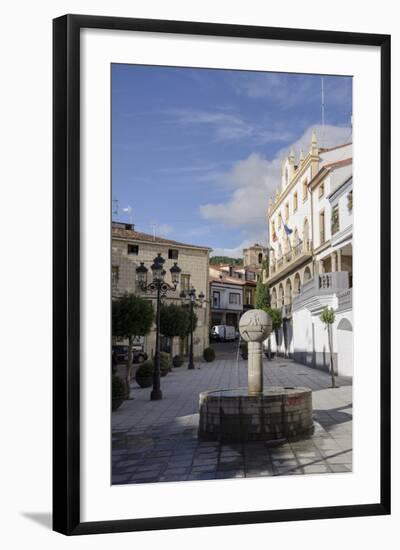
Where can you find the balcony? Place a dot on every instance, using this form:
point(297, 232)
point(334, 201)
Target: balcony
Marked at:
point(322, 289)
point(291, 259)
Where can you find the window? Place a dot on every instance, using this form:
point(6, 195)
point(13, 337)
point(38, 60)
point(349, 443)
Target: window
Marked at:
point(260, 258)
point(133, 249)
point(305, 190)
point(114, 274)
point(335, 220)
point(234, 298)
point(173, 254)
point(321, 190)
point(287, 211)
point(295, 202)
point(350, 201)
point(273, 232)
point(249, 300)
point(216, 298)
point(185, 281)
point(279, 220)
point(321, 227)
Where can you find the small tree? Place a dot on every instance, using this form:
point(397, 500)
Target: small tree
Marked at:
point(263, 301)
point(262, 297)
point(192, 322)
point(131, 316)
point(174, 321)
point(328, 318)
point(276, 317)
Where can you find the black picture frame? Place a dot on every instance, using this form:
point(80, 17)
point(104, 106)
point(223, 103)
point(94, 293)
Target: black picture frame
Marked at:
point(66, 273)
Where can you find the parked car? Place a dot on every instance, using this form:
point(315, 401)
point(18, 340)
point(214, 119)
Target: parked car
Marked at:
point(121, 354)
point(223, 333)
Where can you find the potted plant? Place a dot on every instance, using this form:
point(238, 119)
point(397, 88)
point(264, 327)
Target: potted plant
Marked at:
point(209, 354)
point(119, 392)
point(177, 361)
point(165, 363)
point(144, 374)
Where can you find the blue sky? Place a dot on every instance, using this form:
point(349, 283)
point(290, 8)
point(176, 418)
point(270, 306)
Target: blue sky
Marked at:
point(196, 152)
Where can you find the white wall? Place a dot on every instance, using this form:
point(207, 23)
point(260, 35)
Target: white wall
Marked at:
point(26, 165)
point(224, 293)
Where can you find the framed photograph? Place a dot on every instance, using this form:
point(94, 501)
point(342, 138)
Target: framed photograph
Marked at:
point(221, 303)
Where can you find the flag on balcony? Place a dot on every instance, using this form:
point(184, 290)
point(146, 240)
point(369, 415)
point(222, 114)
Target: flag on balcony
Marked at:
point(274, 237)
point(288, 231)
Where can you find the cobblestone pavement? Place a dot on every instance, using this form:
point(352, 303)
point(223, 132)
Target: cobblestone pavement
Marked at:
point(154, 441)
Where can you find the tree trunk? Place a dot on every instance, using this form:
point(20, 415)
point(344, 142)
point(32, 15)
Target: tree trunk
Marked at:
point(129, 365)
point(269, 348)
point(331, 356)
point(277, 341)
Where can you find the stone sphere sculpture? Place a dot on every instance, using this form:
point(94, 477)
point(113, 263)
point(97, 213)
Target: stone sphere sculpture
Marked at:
point(255, 326)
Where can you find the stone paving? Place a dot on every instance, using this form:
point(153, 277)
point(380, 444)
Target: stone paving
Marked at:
point(156, 441)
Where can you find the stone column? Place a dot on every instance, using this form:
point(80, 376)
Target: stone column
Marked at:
point(339, 260)
point(255, 371)
point(255, 326)
point(333, 261)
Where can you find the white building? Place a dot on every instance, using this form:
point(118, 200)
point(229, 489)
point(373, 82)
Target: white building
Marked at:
point(311, 255)
point(226, 294)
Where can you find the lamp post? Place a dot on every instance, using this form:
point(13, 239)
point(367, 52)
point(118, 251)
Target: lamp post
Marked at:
point(194, 301)
point(159, 287)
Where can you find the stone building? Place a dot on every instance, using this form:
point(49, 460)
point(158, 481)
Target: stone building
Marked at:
point(131, 247)
point(254, 256)
point(310, 226)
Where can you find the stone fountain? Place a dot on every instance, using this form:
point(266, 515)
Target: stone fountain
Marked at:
point(255, 413)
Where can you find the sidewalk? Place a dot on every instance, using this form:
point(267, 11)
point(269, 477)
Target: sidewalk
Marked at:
point(155, 441)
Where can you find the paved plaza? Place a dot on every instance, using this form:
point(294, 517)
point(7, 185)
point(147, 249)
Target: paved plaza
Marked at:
point(156, 441)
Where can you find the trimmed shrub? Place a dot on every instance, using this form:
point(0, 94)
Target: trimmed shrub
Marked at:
point(165, 363)
point(119, 392)
point(144, 374)
point(178, 361)
point(209, 354)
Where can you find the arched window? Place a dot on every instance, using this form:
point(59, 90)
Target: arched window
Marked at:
point(288, 292)
point(305, 190)
point(306, 232)
point(260, 258)
point(281, 296)
point(273, 298)
point(307, 274)
point(295, 237)
point(297, 284)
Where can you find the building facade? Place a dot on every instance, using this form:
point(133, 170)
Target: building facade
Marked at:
point(130, 248)
point(310, 223)
point(226, 294)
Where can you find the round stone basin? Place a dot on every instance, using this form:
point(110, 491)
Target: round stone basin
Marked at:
point(277, 413)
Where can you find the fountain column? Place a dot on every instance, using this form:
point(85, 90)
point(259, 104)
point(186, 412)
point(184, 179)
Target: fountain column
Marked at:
point(255, 326)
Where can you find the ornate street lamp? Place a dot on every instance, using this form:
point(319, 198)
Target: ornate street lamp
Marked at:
point(194, 301)
point(159, 287)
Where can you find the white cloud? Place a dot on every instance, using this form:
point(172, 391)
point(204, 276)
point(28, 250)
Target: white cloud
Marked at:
point(289, 90)
point(254, 179)
point(228, 126)
point(164, 229)
point(236, 252)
